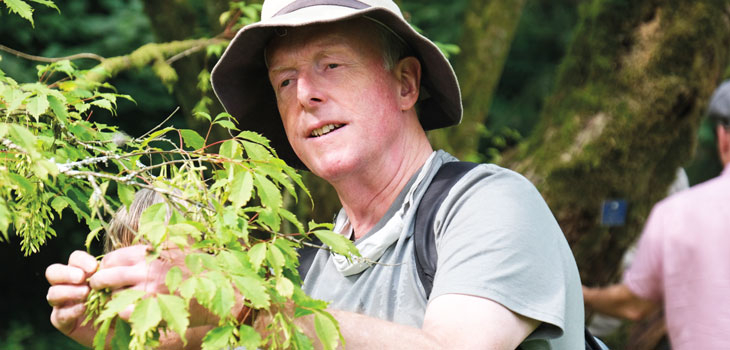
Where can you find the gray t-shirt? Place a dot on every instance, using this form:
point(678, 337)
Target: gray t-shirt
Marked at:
point(496, 238)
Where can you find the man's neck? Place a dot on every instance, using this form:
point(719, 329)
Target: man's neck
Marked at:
point(367, 196)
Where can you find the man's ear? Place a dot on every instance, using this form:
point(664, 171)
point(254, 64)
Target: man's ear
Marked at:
point(723, 144)
point(408, 73)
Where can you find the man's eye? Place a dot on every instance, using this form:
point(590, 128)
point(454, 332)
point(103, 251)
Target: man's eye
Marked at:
point(285, 83)
point(332, 65)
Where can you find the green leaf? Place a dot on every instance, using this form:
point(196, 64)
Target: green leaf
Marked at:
point(37, 105)
point(224, 299)
point(175, 313)
point(93, 234)
point(59, 109)
point(218, 338)
point(241, 188)
point(252, 289)
point(257, 254)
point(230, 149)
point(256, 152)
point(105, 104)
point(21, 8)
point(227, 124)
point(269, 218)
point(122, 337)
point(14, 98)
point(275, 259)
point(249, 338)
point(126, 194)
point(5, 219)
point(254, 137)
point(152, 223)
point(59, 203)
point(100, 336)
point(155, 135)
point(337, 242)
point(327, 330)
point(146, 315)
point(284, 287)
point(268, 192)
point(119, 302)
point(47, 3)
point(289, 216)
point(192, 139)
point(173, 279)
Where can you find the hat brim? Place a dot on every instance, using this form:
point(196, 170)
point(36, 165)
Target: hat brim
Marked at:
point(240, 78)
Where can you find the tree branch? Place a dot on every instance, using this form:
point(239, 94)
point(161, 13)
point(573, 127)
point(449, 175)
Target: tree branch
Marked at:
point(26, 56)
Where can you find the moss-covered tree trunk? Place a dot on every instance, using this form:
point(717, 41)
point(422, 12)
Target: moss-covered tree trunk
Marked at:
point(488, 30)
point(623, 117)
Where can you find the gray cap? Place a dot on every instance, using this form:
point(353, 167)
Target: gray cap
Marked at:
point(720, 103)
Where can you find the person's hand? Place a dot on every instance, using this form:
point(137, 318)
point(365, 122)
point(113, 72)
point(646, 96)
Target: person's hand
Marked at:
point(67, 295)
point(130, 267)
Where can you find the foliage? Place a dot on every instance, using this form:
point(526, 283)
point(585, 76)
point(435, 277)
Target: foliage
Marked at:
point(223, 209)
point(24, 10)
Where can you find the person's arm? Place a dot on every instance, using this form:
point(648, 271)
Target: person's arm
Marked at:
point(619, 301)
point(452, 321)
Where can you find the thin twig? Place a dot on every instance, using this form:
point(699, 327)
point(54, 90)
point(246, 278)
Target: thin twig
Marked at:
point(26, 56)
point(159, 125)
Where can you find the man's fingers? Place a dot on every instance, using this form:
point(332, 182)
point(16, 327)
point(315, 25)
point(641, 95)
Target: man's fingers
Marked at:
point(118, 277)
point(63, 294)
point(125, 256)
point(84, 261)
point(64, 274)
point(65, 319)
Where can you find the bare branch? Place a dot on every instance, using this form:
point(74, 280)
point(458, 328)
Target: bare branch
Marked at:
point(77, 56)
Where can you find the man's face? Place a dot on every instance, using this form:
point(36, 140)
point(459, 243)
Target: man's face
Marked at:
point(338, 103)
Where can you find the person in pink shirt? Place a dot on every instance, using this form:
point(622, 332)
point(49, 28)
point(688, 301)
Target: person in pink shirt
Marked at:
point(683, 257)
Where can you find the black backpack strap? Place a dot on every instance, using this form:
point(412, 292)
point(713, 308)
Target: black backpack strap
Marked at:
point(423, 234)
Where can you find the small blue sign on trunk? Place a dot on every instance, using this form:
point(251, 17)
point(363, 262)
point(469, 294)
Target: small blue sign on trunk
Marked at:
point(613, 212)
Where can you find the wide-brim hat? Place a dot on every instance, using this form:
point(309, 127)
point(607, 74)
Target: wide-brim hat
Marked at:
point(720, 103)
point(240, 78)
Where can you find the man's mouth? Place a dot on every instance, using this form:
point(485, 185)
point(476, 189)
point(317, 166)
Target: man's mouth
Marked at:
point(325, 130)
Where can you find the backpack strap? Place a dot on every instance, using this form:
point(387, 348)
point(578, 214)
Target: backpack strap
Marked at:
point(423, 234)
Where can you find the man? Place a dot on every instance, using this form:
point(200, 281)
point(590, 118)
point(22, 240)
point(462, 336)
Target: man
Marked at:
point(683, 257)
point(348, 78)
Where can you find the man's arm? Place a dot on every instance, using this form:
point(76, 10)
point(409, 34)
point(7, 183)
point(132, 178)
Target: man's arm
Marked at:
point(619, 301)
point(452, 321)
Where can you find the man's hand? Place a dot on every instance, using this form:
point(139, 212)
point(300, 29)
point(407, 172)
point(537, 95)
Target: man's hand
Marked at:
point(67, 295)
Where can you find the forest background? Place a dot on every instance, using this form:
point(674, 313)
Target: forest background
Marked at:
point(591, 99)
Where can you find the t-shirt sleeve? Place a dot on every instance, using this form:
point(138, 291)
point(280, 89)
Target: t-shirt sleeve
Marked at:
point(496, 238)
point(644, 276)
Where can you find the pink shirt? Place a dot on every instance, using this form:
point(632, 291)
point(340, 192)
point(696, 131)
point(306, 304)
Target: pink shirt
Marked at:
point(683, 258)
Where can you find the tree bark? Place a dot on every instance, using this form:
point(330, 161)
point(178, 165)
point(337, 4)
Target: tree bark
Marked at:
point(623, 117)
point(488, 30)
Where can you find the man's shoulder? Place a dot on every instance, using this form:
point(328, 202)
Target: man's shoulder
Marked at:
point(697, 199)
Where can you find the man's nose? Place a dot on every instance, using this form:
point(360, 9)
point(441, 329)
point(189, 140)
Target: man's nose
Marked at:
point(309, 90)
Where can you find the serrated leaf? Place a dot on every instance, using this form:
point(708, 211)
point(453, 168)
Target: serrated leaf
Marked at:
point(337, 242)
point(146, 315)
point(119, 302)
point(256, 152)
point(254, 137)
point(37, 105)
point(241, 188)
point(105, 104)
point(152, 223)
point(59, 203)
point(289, 216)
point(249, 338)
point(100, 336)
point(268, 192)
point(218, 338)
point(173, 279)
point(284, 287)
point(93, 234)
point(5, 219)
point(224, 299)
point(268, 217)
point(174, 312)
point(47, 3)
point(155, 135)
point(59, 109)
point(227, 124)
point(125, 194)
point(122, 337)
point(230, 149)
point(184, 230)
point(252, 289)
point(192, 139)
point(275, 259)
point(21, 8)
point(327, 330)
point(257, 254)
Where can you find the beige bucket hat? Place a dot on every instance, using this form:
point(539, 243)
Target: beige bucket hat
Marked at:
point(240, 78)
